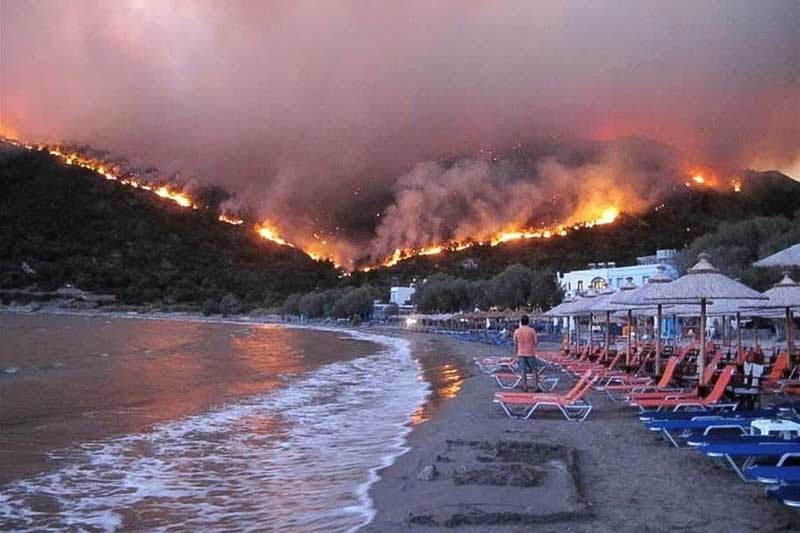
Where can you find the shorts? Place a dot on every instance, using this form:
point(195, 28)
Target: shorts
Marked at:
point(529, 364)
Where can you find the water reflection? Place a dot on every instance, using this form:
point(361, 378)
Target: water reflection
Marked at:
point(446, 380)
point(82, 378)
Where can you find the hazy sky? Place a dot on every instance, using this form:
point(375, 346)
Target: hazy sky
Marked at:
point(300, 104)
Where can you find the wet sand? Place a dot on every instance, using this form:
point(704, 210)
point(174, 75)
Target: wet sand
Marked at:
point(550, 475)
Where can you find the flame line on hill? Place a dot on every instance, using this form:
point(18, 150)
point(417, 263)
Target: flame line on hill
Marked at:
point(603, 215)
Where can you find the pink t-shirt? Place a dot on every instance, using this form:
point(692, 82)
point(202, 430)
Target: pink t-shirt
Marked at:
point(525, 338)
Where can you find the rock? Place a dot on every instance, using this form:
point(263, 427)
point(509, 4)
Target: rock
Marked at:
point(428, 473)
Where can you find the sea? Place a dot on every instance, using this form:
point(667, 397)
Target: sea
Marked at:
point(117, 423)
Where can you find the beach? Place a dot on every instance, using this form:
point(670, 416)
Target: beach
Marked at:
point(90, 443)
point(605, 474)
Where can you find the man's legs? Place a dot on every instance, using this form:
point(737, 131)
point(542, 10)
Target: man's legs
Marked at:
point(523, 366)
point(534, 362)
point(529, 364)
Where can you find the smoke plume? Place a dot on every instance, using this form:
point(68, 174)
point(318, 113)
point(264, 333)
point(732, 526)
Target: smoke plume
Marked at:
point(321, 115)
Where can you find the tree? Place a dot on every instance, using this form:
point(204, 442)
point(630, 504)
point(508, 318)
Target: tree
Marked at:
point(545, 292)
point(229, 305)
point(210, 307)
point(291, 306)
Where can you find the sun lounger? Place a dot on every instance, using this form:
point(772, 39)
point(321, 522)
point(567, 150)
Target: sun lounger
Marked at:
point(612, 388)
point(511, 380)
point(773, 474)
point(749, 452)
point(678, 402)
point(490, 365)
point(672, 430)
point(787, 494)
point(572, 405)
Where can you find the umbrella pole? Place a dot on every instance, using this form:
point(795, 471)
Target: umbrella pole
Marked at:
point(789, 334)
point(701, 359)
point(591, 334)
point(630, 331)
point(738, 335)
point(569, 335)
point(658, 340)
point(755, 332)
point(577, 335)
point(608, 334)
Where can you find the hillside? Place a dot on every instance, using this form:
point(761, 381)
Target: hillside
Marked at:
point(62, 225)
point(685, 215)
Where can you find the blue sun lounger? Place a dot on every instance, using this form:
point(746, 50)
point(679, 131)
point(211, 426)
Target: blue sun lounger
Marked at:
point(788, 494)
point(697, 441)
point(701, 424)
point(768, 412)
point(750, 451)
point(774, 474)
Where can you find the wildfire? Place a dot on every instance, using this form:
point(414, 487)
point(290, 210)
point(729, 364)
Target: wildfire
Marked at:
point(607, 215)
point(269, 232)
point(230, 219)
point(178, 198)
point(594, 211)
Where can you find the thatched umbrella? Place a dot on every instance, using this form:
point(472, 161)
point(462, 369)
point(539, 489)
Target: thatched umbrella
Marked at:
point(562, 311)
point(702, 284)
point(611, 305)
point(602, 304)
point(784, 295)
point(790, 257)
point(641, 296)
point(583, 308)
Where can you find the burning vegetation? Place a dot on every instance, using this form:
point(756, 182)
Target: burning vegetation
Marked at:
point(439, 208)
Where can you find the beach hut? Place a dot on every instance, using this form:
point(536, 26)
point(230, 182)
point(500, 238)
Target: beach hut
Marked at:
point(790, 257)
point(633, 296)
point(703, 283)
point(784, 295)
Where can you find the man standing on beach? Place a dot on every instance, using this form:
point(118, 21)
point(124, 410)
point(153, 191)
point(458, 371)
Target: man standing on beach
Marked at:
point(525, 351)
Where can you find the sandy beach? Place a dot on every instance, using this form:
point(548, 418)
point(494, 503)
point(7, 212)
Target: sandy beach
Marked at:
point(549, 475)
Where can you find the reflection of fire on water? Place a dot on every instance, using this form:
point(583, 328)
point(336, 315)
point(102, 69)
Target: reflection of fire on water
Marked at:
point(446, 382)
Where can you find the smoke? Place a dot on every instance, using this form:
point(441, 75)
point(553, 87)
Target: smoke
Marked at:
point(474, 200)
point(309, 111)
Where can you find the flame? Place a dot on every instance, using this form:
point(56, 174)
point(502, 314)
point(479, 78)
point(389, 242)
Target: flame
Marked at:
point(269, 232)
point(603, 215)
point(698, 178)
point(178, 198)
point(230, 219)
point(737, 185)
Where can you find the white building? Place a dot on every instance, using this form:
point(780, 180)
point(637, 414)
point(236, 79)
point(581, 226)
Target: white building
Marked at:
point(401, 296)
point(602, 275)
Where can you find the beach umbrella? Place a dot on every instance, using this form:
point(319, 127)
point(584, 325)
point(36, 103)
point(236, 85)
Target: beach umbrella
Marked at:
point(561, 311)
point(602, 304)
point(725, 308)
point(784, 295)
point(640, 297)
point(583, 307)
point(790, 257)
point(702, 284)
